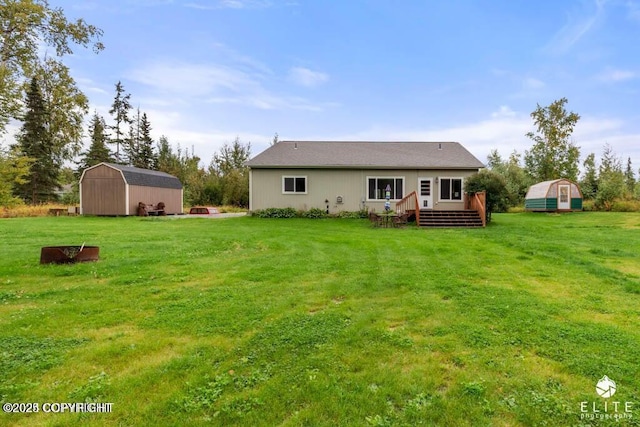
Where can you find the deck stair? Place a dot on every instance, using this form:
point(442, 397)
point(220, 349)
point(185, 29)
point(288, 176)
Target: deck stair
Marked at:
point(458, 218)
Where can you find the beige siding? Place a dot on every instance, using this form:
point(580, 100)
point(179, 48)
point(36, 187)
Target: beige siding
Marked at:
point(151, 196)
point(350, 184)
point(103, 192)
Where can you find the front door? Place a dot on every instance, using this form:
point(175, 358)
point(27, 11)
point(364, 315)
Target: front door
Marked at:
point(425, 193)
point(564, 197)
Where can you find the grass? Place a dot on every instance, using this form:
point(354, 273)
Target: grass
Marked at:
point(24, 210)
point(250, 321)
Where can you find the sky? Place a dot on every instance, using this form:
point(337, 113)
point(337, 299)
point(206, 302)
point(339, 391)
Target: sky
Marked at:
point(472, 71)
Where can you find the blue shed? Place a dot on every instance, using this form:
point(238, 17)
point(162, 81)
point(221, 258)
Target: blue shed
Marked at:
point(554, 196)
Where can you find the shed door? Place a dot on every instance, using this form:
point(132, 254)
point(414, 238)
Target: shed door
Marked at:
point(425, 193)
point(564, 196)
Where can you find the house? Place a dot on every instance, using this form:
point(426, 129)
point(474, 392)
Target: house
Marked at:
point(350, 176)
point(111, 189)
point(553, 196)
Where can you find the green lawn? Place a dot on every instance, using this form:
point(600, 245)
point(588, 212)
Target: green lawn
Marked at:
point(249, 321)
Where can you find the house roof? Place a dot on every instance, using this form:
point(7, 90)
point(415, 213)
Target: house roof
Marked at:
point(146, 177)
point(362, 154)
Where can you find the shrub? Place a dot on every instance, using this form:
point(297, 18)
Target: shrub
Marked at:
point(313, 213)
point(353, 215)
point(625, 206)
point(275, 213)
point(588, 205)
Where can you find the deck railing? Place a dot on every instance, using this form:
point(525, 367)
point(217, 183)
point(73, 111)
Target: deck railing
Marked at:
point(478, 202)
point(409, 203)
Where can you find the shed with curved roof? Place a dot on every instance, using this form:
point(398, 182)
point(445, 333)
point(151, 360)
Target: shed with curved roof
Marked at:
point(554, 196)
point(112, 189)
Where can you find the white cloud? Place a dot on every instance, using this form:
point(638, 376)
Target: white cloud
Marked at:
point(613, 76)
point(579, 23)
point(306, 77)
point(218, 84)
point(531, 83)
point(504, 111)
point(505, 131)
point(190, 79)
point(229, 4)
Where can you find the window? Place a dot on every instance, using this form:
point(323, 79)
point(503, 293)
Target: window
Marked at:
point(450, 188)
point(376, 188)
point(294, 184)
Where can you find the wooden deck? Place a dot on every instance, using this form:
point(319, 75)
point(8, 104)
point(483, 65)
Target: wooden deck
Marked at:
point(472, 216)
point(460, 218)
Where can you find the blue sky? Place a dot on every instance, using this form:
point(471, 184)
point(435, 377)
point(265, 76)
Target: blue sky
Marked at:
point(206, 71)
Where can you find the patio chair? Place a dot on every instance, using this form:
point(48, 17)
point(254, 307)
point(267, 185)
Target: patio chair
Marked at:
point(376, 220)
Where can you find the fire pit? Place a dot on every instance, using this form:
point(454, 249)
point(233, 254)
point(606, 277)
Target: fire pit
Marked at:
point(68, 254)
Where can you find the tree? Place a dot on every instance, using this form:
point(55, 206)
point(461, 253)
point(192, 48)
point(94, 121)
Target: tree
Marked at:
point(140, 144)
point(166, 161)
point(630, 178)
point(14, 169)
point(66, 107)
point(494, 185)
point(517, 181)
point(146, 155)
point(553, 155)
point(275, 139)
point(26, 26)
point(231, 157)
point(120, 111)
point(130, 147)
point(611, 183)
point(228, 166)
point(98, 151)
point(185, 167)
point(35, 142)
point(589, 183)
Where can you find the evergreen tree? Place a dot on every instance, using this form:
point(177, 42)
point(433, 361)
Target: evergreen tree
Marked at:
point(120, 111)
point(98, 151)
point(139, 146)
point(610, 163)
point(629, 178)
point(130, 147)
point(553, 154)
point(611, 184)
point(146, 156)
point(589, 183)
point(34, 141)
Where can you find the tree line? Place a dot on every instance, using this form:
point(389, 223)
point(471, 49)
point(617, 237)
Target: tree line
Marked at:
point(39, 92)
point(555, 155)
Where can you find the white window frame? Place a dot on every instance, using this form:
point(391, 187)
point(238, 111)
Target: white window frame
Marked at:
point(376, 177)
point(440, 199)
point(294, 177)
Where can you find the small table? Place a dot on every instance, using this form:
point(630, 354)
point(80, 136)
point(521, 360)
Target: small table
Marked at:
point(387, 219)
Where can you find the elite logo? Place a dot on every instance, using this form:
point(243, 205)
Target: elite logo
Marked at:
point(606, 387)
